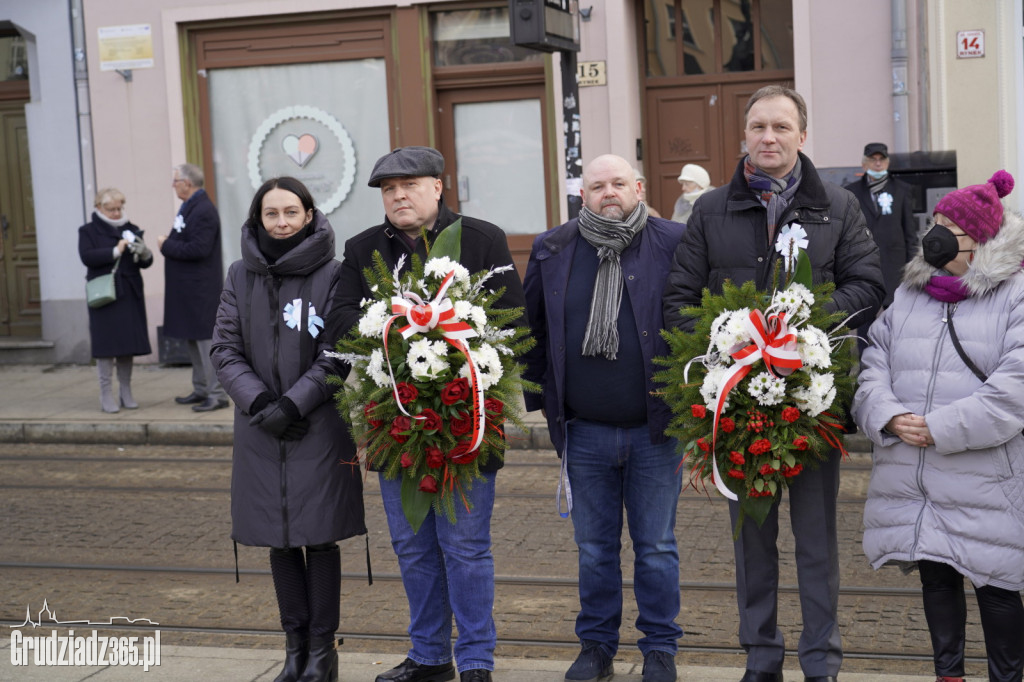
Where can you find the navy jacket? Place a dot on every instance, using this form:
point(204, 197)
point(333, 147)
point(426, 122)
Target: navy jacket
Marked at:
point(644, 271)
point(193, 273)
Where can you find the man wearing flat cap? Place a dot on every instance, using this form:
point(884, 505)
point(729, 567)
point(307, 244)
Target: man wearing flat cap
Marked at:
point(447, 569)
point(887, 207)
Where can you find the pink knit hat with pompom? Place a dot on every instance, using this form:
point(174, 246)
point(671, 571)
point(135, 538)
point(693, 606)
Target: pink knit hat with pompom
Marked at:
point(977, 209)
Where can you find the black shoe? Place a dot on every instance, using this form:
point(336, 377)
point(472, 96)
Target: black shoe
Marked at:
point(821, 678)
point(591, 665)
point(209, 405)
point(191, 399)
point(296, 652)
point(475, 675)
point(659, 666)
point(411, 671)
point(758, 676)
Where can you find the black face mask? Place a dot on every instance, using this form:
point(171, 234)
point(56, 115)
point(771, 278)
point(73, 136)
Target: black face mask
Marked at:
point(940, 246)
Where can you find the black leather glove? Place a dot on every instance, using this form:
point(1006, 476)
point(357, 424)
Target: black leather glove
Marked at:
point(277, 417)
point(262, 400)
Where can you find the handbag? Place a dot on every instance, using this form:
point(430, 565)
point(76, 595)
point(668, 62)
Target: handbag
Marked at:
point(950, 309)
point(100, 291)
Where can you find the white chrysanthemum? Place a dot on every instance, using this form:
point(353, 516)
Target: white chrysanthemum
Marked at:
point(709, 389)
point(796, 300)
point(427, 359)
point(767, 389)
point(375, 369)
point(733, 332)
point(488, 365)
point(473, 314)
point(440, 267)
point(817, 397)
point(814, 348)
point(371, 324)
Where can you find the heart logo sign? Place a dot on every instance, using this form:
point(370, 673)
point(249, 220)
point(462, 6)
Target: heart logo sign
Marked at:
point(300, 148)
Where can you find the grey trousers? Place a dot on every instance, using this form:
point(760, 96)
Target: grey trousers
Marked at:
point(812, 510)
point(204, 378)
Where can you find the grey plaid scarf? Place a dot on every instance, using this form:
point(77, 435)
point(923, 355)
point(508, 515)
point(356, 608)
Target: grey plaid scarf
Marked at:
point(773, 193)
point(610, 238)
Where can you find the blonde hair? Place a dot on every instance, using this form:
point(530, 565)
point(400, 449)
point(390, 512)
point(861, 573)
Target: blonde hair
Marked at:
point(109, 193)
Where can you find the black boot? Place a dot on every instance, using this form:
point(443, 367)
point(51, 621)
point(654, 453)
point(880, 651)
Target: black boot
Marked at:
point(323, 582)
point(289, 571)
point(323, 660)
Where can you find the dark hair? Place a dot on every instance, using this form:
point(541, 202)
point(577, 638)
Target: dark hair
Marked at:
point(779, 91)
point(286, 183)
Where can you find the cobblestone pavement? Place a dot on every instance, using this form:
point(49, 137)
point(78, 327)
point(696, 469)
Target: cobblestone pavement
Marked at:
point(80, 521)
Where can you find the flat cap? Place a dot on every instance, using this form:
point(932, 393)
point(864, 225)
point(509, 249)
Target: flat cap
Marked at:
point(407, 162)
point(876, 148)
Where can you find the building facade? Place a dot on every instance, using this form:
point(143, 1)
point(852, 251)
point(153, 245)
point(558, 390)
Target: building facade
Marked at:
point(118, 93)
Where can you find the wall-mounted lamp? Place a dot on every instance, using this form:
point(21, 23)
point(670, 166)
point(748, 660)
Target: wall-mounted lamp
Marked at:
point(126, 74)
point(585, 12)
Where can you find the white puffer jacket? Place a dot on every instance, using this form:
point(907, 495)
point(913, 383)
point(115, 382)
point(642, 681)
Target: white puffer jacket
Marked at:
point(961, 501)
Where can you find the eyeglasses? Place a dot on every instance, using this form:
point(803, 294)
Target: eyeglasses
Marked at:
point(177, 180)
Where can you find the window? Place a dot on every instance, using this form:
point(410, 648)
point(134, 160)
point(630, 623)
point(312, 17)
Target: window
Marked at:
point(475, 36)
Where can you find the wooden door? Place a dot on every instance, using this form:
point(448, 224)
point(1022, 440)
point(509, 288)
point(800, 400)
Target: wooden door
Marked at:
point(20, 309)
point(494, 143)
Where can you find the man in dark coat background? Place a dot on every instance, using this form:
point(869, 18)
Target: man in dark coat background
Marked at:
point(193, 279)
point(887, 206)
point(732, 235)
point(441, 554)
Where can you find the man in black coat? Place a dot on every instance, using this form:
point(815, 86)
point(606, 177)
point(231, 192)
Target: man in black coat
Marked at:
point(886, 204)
point(410, 187)
point(193, 279)
point(731, 235)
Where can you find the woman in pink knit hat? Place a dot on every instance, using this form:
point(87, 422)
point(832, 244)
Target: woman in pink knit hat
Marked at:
point(941, 396)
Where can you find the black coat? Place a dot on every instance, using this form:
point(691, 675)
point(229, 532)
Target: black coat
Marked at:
point(286, 493)
point(193, 274)
point(895, 232)
point(483, 245)
point(118, 328)
point(727, 238)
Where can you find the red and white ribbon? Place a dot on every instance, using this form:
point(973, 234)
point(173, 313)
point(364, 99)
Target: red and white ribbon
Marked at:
point(421, 318)
point(771, 340)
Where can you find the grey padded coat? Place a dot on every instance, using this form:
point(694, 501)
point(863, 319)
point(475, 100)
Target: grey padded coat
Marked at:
point(961, 501)
point(286, 493)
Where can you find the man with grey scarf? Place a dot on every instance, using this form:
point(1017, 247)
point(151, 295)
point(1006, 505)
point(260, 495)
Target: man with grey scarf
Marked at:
point(732, 235)
point(593, 297)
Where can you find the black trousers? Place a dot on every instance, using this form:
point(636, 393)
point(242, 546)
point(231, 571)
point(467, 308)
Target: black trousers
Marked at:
point(1002, 620)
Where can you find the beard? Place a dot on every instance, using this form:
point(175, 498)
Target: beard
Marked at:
point(612, 211)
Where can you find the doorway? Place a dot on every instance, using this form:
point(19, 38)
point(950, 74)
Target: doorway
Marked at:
point(20, 300)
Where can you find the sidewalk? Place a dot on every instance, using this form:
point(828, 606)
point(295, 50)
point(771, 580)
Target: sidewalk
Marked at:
point(213, 664)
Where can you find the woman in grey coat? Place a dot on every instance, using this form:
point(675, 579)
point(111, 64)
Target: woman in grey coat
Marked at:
point(295, 479)
point(941, 396)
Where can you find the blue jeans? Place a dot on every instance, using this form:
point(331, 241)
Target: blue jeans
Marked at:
point(447, 569)
point(610, 468)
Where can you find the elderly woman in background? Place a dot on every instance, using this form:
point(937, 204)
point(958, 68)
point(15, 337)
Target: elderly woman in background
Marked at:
point(694, 181)
point(941, 396)
point(117, 331)
point(295, 481)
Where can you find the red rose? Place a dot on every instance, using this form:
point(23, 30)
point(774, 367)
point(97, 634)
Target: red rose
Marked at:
point(406, 460)
point(736, 458)
point(766, 469)
point(368, 414)
point(428, 484)
point(494, 406)
point(791, 414)
point(698, 411)
point(703, 444)
point(790, 472)
point(461, 454)
point(801, 443)
point(435, 458)
point(461, 424)
point(726, 424)
point(407, 393)
point(736, 473)
point(760, 446)
point(457, 390)
point(431, 420)
point(400, 424)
